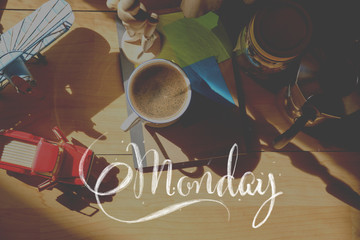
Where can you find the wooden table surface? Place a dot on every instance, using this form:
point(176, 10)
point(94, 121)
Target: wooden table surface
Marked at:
point(84, 96)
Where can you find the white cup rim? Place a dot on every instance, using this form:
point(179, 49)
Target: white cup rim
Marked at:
point(185, 104)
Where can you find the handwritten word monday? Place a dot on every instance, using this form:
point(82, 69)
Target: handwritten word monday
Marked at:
point(248, 185)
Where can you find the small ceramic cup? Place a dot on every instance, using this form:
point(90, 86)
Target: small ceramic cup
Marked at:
point(158, 92)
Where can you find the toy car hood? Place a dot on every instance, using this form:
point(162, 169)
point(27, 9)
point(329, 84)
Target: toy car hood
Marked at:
point(46, 157)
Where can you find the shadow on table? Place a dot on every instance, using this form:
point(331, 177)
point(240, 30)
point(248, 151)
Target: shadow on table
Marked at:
point(205, 135)
point(308, 163)
point(2, 6)
point(159, 7)
point(79, 198)
point(30, 218)
point(78, 81)
point(303, 160)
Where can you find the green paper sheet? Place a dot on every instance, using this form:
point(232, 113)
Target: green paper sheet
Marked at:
point(166, 51)
point(195, 39)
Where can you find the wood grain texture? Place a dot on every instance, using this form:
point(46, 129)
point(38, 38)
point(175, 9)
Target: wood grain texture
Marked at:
point(93, 5)
point(88, 5)
point(84, 96)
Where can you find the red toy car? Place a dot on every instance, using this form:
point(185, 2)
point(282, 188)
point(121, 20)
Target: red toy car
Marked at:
point(25, 153)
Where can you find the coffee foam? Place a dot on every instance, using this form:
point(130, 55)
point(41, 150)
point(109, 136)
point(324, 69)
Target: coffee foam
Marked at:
point(158, 91)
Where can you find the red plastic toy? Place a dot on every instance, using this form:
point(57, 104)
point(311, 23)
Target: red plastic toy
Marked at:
point(25, 153)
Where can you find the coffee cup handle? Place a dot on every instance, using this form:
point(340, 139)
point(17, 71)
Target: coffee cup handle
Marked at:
point(131, 121)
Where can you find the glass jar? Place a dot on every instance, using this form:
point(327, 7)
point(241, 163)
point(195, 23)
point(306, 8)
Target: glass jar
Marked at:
point(275, 36)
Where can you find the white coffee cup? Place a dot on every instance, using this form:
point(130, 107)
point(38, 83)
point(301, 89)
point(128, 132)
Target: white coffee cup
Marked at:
point(158, 92)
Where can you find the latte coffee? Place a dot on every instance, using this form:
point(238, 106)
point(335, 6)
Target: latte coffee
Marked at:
point(158, 91)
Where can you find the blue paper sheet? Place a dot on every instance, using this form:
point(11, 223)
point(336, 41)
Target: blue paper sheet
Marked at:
point(206, 78)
